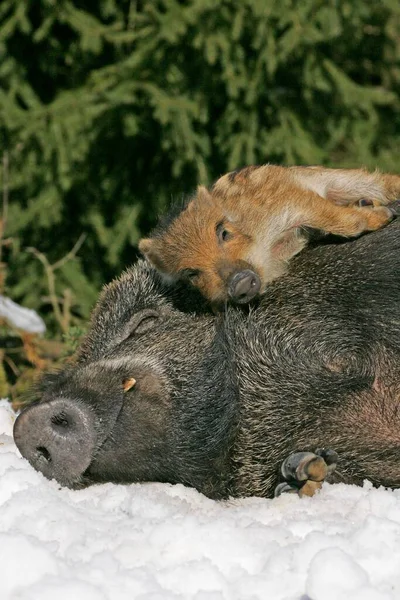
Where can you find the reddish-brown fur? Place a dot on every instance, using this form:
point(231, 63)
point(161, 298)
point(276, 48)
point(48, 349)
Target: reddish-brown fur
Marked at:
point(254, 219)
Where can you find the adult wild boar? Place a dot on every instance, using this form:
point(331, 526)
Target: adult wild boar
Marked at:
point(159, 393)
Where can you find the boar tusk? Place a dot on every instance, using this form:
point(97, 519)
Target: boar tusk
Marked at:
point(127, 384)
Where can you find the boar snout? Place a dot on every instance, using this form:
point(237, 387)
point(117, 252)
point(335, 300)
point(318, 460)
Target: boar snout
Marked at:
point(244, 286)
point(57, 438)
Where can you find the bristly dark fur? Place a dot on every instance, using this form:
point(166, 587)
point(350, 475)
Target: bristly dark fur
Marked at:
point(221, 401)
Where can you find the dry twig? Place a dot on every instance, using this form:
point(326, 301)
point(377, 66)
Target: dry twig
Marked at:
point(63, 317)
point(3, 220)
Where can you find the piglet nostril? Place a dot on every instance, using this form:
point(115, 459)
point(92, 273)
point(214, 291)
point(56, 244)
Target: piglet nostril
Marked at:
point(244, 286)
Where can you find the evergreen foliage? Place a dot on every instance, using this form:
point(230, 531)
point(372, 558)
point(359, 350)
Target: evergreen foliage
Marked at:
point(111, 108)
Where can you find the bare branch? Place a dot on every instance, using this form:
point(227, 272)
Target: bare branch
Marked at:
point(12, 364)
point(67, 303)
point(71, 254)
point(3, 220)
point(63, 318)
point(51, 282)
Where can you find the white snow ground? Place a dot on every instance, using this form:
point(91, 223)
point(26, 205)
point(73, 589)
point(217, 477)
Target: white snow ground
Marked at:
point(163, 542)
point(20, 317)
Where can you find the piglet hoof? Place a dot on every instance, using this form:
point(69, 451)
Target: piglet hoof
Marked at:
point(394, 207)
point(305, 472)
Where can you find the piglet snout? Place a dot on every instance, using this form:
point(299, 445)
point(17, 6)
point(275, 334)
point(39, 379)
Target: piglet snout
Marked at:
point(244, 286)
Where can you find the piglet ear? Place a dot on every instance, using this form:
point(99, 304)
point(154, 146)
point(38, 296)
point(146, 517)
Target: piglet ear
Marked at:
point(145, 245)
point(148, 247)
point(203, 195)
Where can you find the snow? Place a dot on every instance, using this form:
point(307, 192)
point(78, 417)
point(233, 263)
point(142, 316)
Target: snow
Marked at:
point(163, 542)
point(19, 317)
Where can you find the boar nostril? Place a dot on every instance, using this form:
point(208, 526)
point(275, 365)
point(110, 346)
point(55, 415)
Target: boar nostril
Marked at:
point(57, 437)
point(60, 420)
point(42, 452)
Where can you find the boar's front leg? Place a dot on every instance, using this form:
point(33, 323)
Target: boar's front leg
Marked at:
point(305, 472)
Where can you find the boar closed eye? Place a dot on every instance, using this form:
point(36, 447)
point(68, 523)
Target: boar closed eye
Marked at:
point(223, 234)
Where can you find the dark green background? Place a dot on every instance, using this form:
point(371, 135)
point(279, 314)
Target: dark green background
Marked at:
point(111, 109)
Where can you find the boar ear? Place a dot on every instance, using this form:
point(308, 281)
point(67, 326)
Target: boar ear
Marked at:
point(289, 244)
point(128, 384)
point(149, 249)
